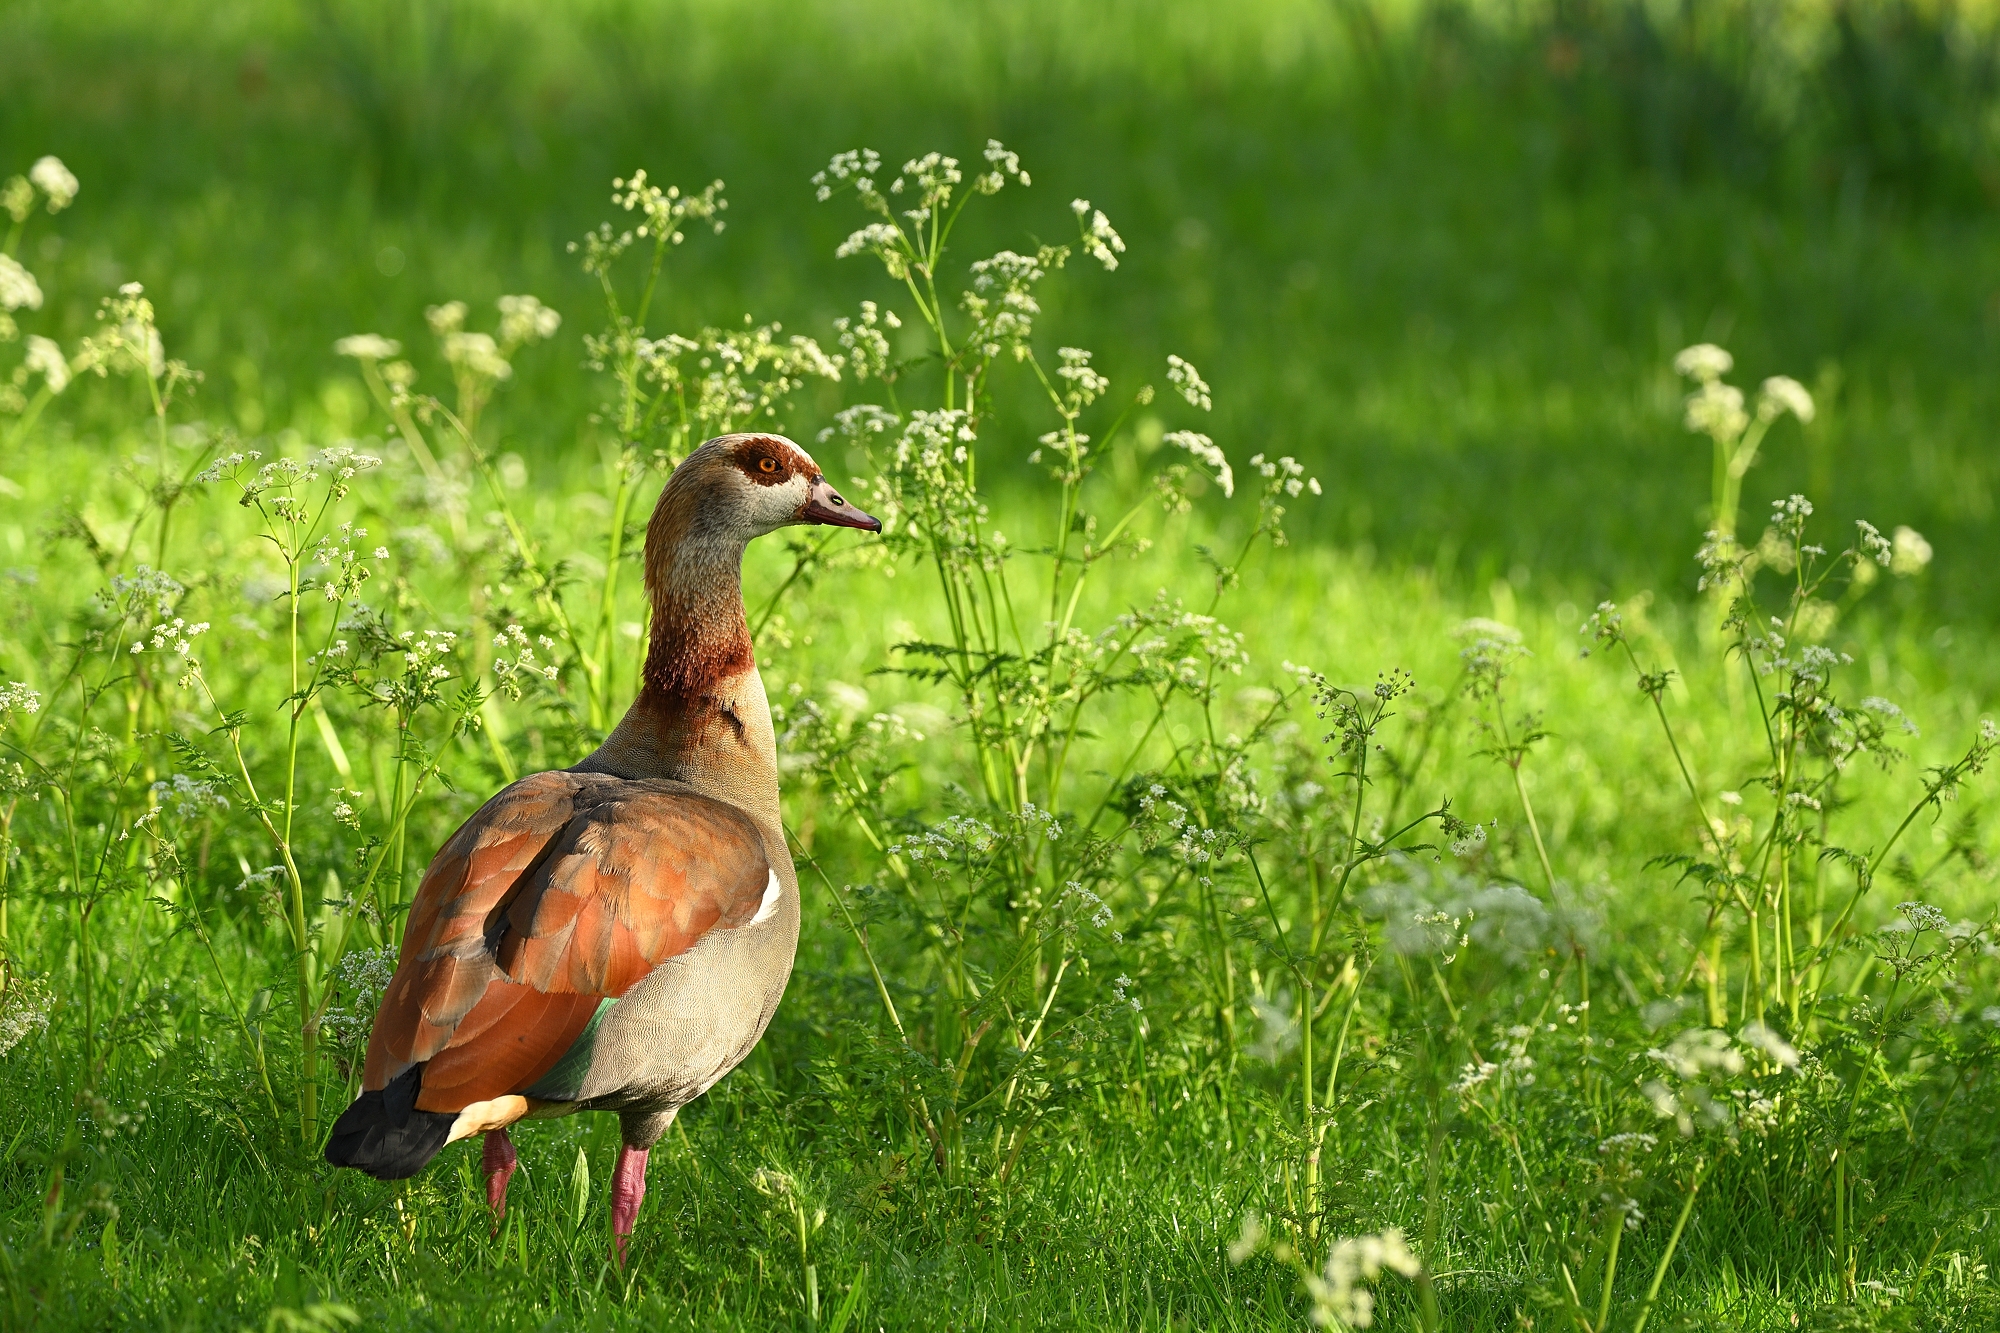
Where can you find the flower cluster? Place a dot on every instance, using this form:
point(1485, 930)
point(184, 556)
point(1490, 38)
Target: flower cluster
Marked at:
point(865, 343)
point(1205, 452)
point(1101, 240)
point(360, 978)
point(664, 211)
point(177, 637)
point(18, 288)
point(960, 838)
point(25, 1007)
point(1001, 300)
point(1188, 381)
point(18, 698)
point(514, 661)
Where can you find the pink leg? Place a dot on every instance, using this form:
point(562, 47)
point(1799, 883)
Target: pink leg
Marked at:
point(498, 1162)
point(628, 1191)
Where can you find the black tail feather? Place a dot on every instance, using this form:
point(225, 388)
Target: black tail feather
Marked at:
point(384, 1134)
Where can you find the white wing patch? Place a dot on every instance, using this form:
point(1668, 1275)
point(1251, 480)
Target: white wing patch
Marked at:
point(769, 907)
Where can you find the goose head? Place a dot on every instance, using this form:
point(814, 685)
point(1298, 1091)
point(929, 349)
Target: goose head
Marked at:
point(738, 487)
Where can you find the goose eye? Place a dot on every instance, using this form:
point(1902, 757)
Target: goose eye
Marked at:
point(767, 465)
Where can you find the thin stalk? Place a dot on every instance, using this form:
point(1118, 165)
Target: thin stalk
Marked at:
point(1512, 755)
point(1673, 1243)
point(1616, 1225)
point(882, 991)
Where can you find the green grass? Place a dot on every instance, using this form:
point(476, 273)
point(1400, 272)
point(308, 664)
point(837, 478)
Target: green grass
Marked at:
point(1448, 279)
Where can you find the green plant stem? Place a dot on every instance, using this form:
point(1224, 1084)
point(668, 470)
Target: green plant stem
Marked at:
point(882, 992)
point(1527, 806)
point(1673, 1243)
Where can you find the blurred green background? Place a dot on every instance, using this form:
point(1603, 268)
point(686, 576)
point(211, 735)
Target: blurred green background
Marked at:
point(1442, 252)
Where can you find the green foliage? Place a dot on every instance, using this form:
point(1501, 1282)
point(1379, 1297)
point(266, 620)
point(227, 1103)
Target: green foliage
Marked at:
point(1451, 981)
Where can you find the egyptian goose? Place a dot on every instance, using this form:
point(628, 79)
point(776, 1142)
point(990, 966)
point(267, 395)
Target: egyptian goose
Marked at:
point(614, 936)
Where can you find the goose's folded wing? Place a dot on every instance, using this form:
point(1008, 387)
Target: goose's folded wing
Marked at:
point(563, 891)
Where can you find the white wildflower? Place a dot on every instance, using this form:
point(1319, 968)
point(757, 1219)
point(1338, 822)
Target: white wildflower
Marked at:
point(18, 287)
point(1280, 1029)
point(1874, 546)
point(24, 1007)
point(18, 698)
point(1704, 362)
point(446, 318)
point(1188, 380)
point(45, 358)
point(1922, 916)
point(1004, 163)
point(367, 347)
point(184, 797)
point(858, 165)
point(1340, 1292)
point(1909, 552)
point(881, 237)
point(1100, 239)
point(1716, 409)
point(1473, 1075)
point(1695, 1052)
point(1762, 1038)
point(1781, 394)
point(1084, 381)
point(477, 354)
point(359, 980)
point(1205, 451)
point(524, 319)
point(1249, 1239)
point(55, 180)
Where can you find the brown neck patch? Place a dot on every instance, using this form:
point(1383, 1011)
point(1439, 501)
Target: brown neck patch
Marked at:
point(694, 573)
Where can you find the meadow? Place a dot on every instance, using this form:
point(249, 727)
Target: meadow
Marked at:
point(1375, 778)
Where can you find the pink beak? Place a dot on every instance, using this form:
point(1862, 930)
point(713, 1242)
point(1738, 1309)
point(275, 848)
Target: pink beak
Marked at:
point(825, 505)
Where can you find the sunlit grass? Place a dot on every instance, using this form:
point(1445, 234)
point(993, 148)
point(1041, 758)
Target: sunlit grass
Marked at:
point(1610, 1040)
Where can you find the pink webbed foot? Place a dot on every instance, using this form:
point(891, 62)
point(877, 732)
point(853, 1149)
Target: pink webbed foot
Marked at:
point(498, 1162)
point(628, 1191)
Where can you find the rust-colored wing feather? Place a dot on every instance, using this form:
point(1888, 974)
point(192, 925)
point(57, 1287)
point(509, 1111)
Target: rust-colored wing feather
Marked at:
point(562, 891)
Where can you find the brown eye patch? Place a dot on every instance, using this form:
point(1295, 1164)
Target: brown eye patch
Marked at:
point(766, 461)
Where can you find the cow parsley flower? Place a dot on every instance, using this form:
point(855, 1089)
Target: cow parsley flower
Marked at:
point(18, 287)
point(1004, 162)
point(1909, 552)
point(446, 318)
point(1184, 377)
point(1781, 394)
point(867, 346)
point(16, 697)
point(1101, 241)
point(1874, 545)
point(45, 358)
point(55, 180)
point(17, 196)
point(1205, 451)
point(1704, 362)
point(1340, 1290)
point(1764, 1039)
point(524, 319)
point(477, 354)
point(25, 1007)
point(1922, 916)
point(1085, 384)
point(367, 347)
point(858, 165)
point(1716, 409)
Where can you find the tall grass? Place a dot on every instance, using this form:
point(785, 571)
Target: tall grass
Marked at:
point(1206, 925)
point(1465, 259)
point(1135, 962)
